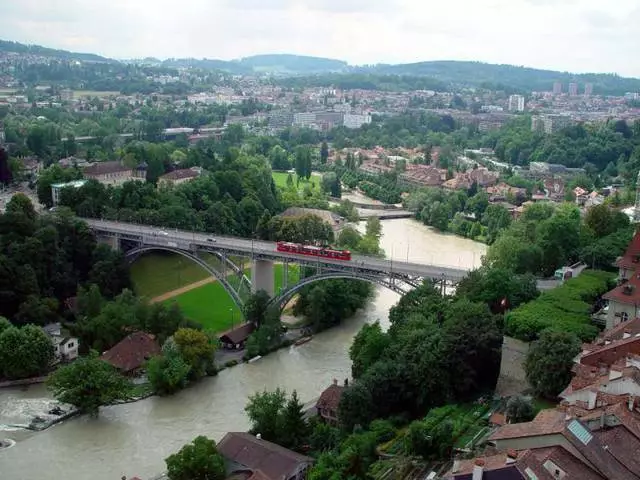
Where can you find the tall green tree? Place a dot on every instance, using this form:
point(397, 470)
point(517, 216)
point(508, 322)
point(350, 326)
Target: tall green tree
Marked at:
point(198, 460)
point(24, 352)
point(89, 383)
point(549, 361)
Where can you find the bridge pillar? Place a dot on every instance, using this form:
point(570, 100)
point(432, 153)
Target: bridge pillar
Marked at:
point(112, 240)
point(262, 276)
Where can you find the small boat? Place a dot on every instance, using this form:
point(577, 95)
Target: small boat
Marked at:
point(303, 340)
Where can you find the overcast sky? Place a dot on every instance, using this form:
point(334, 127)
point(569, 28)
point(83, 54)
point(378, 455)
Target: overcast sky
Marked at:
point(573, 35)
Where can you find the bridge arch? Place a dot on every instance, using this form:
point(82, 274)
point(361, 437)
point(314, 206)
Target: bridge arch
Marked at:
point(394, 284)
point(134, 253)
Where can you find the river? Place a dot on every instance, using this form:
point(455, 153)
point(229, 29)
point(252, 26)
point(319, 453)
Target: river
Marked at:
point(134, 439)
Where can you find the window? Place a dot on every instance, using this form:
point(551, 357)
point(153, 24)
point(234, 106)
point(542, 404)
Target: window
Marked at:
point(70, 345)
point(624, 316)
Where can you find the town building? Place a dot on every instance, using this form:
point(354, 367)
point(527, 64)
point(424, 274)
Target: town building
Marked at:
point(115, 173)
point(351, 120)
point(304, 119)
point(65, 347)
point(588, 89)
point(56, 189)
point(624, 300)
point(422, 176)
point(179, 176)
point(557, 88)
point(573, 89)
point(327, 404)
point(516, 103)
point(130, 354)
point(264, 460)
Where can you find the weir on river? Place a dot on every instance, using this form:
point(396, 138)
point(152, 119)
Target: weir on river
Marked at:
point(134, 439)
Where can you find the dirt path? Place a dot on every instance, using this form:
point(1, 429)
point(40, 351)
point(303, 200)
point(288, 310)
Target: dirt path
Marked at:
point(181, 290)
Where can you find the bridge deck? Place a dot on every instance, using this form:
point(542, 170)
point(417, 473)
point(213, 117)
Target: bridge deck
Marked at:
point(162, 237)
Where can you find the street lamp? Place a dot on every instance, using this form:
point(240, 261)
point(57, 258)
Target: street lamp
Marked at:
point(232, 319)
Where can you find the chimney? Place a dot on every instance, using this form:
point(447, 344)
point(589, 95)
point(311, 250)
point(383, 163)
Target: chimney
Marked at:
point(478, 469)
point(335, 381)
point(631, 403)
point(512, 456)
point(259, 436)
point(346, 382)
point(456, 466)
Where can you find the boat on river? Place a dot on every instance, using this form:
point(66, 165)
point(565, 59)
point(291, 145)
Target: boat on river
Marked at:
point(303, 340)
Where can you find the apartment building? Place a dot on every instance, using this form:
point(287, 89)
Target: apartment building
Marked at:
point(115, 172)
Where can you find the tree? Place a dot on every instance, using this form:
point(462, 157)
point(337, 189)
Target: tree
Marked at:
point(197, 349)
point(255, 308)
point(21, 204)
point(38, 311)
point(24, 352)
point(356, 407)
point(264, 411)
point(603, 221)
point(168, 373)
point(6, 176)
point(294, 426)
point(89, 383)
point(290, 181)
point(369, 346)
point(519, 409)
point(549, 361)
point(198, 460)
point(324, 153)
point(374, 228)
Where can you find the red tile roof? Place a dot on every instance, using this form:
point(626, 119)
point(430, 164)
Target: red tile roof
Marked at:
point(272, 461)
point(631, 256)
point(617, 332)
point(179, 174)
point(330, 398)
point(608, 354)
point(132, 352)
point(103, 168)
point(547, 422)
point(628, 292)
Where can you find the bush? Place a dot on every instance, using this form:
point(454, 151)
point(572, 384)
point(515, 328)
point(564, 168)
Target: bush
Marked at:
point(231, 363)
point(566, 308)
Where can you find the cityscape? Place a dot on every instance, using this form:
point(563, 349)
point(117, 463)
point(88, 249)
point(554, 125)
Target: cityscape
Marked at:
point(290, 266)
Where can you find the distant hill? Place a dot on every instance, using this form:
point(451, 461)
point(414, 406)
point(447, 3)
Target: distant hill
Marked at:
point(7, 46)
point(508, 76)
point(436, 75)
point(298, 64)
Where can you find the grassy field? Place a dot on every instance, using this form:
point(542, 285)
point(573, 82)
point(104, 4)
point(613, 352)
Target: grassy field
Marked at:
point(280, 179)
point(158, 273)
point(213, 308)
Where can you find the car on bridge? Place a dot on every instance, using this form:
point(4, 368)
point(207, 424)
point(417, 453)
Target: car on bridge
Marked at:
point(211, 240)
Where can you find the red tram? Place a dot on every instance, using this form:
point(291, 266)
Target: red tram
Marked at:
point(313, 251)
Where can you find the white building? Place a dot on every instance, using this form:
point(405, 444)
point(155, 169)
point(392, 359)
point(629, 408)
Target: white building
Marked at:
point(304, 119)
point(516, 103)
point(56, 188)
point(65, 349)
point(356, 121)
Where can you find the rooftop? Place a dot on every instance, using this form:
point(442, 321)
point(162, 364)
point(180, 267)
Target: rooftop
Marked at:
point(132, 352)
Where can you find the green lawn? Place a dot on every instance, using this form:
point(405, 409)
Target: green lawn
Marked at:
point(280, 179)
point(156, 273)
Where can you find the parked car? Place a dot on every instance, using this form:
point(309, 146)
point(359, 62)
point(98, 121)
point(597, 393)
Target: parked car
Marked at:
point(212, 240)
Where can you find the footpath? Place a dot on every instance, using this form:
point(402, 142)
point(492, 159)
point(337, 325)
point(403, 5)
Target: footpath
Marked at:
point(181, 290)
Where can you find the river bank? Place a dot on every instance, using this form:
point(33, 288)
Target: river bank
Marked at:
point(134, 439)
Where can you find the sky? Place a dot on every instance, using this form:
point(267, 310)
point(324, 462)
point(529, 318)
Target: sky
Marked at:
point(567, 35)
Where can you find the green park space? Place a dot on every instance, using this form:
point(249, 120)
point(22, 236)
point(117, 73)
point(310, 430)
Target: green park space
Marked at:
point(212, 307)
point(158, 273)
point(280, 179)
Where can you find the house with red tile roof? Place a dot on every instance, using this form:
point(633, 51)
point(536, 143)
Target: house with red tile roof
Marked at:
point(624, 300)
point(327, 404)
point(130, 354)
point(265, 460)
point(557, 445)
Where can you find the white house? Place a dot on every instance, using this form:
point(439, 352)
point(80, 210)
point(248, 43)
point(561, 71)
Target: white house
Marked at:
point(65, 348)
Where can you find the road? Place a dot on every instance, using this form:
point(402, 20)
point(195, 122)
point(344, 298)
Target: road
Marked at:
point(157, 236)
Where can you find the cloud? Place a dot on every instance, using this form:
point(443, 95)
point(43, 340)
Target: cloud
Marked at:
point(559, 34)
